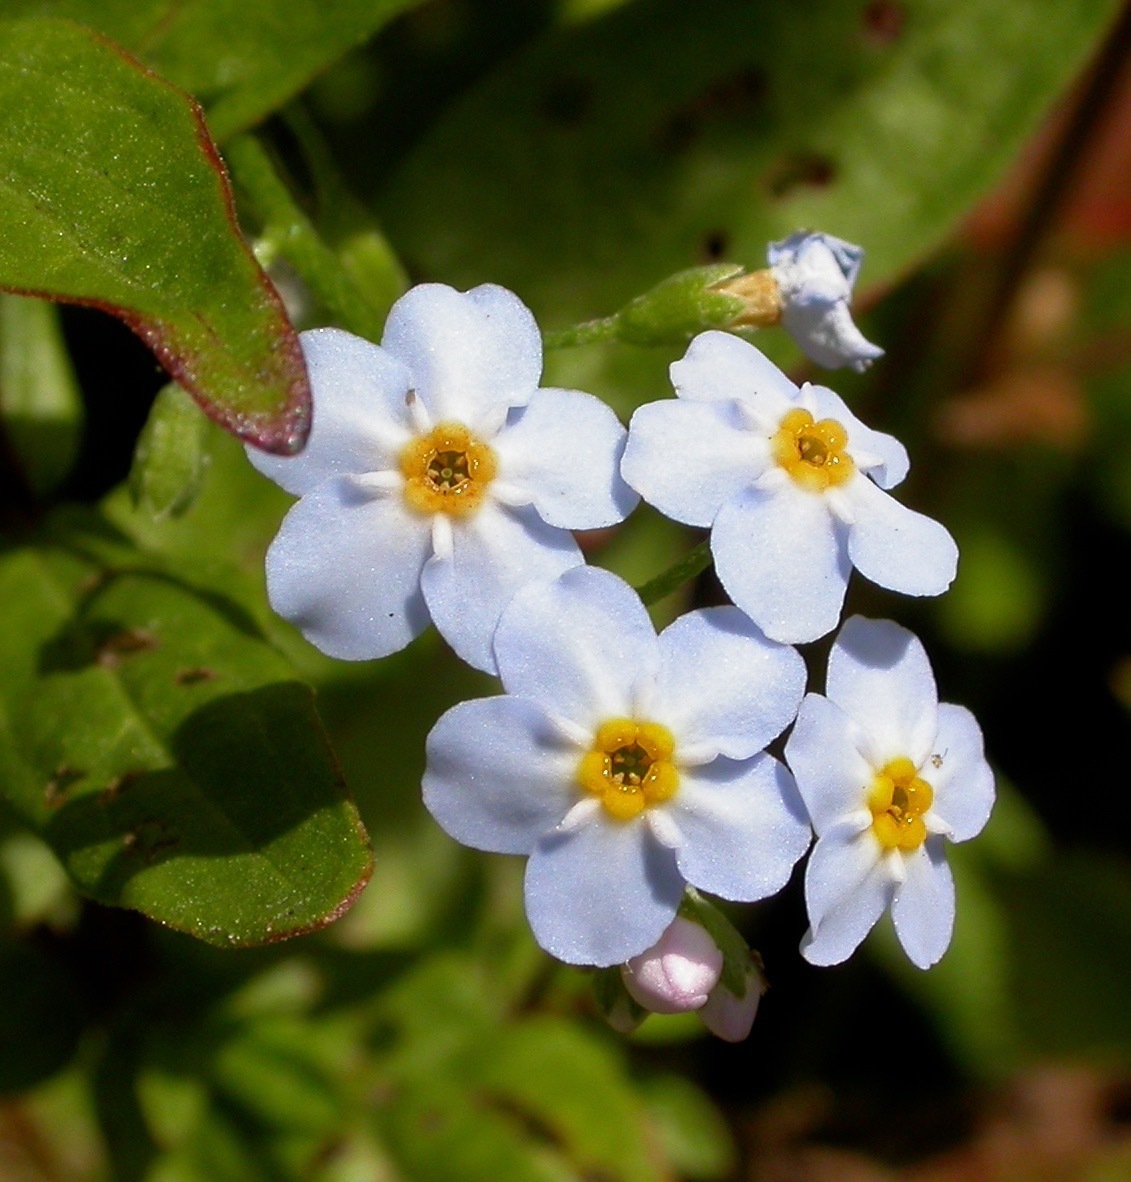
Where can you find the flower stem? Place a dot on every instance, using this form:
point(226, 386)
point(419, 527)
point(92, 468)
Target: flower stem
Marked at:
point(290, 232)
point(683, 571)
point(588, 333)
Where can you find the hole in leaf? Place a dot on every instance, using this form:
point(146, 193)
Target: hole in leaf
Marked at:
point(800, 170)
point(715, 245)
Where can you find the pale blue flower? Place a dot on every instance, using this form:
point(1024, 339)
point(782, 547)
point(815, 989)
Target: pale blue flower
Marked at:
point(625, 765)
point(438, 478)
point(791, 484)
point(815, 274)
point(888, 774)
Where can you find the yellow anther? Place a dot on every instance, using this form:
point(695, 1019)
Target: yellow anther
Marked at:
point(629, 766)
point(447, 470)
point(897, 798)
point(812, 452)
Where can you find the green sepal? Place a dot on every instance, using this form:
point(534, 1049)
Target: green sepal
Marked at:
point(737, 955)
point(680, 306)
point(617, 1006)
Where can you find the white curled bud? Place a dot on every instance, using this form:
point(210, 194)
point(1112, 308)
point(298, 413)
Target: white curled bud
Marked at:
point(815, 274)
point(729, 1016)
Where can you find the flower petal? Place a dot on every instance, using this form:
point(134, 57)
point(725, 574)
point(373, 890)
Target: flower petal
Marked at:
point(889, 457)
point(499, 775)
point(961, 777)
point(602, 892)
point(828, 335)
point(832, 776)
point(879, 675)
point(689, 458)
point(923, 909)
point(469, 353)
point(563, 449)
point(896, 547)
point(578, 646)
point(723, 685)
point(359, 422)
point(495, 551)
point(345, 569)
point(742, 824)
point(781, 556)
point(720, 367)
point(847, 888)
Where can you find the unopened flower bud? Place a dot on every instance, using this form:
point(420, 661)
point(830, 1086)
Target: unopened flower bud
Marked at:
point(678, 972)
point(816, 274)
point(728, 1016)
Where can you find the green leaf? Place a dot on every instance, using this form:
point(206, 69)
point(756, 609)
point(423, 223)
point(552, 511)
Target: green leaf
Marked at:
point(668, 134)
point(242, 60)
point(691, 1129)
point(164, 751)
point(113, 195)
point(170, 456)
point(39, 397)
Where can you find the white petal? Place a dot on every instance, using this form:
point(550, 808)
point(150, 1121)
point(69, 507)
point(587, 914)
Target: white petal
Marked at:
point(847, 887)
point(723, 685)
point(563, 452)
point(601, 893)
point(742, 827)
point(828, 335)
point(958, 772)
point(499, 774)
point(894, 546)
point(495, 551)
point(832, 776)
point(781, 556)
point(345, 569)
point(469, 353)
point(689, 458)
point(891, 455)
point(879, 675)
point(815, 266)
point(719, 367)
point(360, 422)
point(923, 909)
point(579, 646)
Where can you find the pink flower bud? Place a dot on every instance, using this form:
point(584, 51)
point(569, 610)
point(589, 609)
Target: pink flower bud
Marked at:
point(731, 1017)
point(678, 972)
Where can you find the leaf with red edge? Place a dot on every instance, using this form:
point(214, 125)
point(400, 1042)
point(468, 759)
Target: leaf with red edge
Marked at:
point(112, 194)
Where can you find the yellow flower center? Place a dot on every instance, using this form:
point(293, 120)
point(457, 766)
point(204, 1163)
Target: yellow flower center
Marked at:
point(812, 452)
point(629, 766)
point(898, 799)
point(447, 470)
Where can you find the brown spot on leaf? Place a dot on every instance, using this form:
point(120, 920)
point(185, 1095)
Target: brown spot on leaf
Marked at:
point(56, 789)
point(883, 21)
point(800, 170)
point(121, 645)
point(195, 675)
point(117, 786)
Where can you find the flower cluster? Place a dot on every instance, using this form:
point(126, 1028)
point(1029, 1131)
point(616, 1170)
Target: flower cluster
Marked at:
point(441, 483)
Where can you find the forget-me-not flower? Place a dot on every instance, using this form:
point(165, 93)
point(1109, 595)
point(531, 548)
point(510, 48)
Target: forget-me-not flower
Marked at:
point(438, 478)
point(815, 275)
point(791, 484)
point(625, 765)
point(888, 774)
